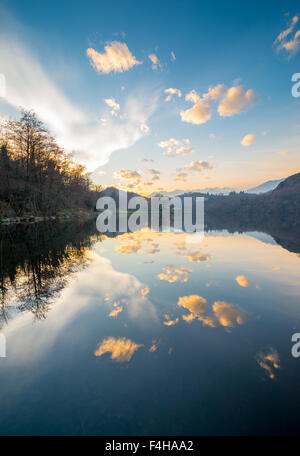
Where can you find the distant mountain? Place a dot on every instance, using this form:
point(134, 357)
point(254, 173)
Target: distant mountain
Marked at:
point(212, 191)
point(265, 187)
point(114, 193)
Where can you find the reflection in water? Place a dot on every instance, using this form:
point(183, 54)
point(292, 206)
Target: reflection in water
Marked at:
point(242, 281)
point(36, 262)
point(121, 349)
point(172, 274)
point(120, 332)
point(223, 314)
point(269, 361)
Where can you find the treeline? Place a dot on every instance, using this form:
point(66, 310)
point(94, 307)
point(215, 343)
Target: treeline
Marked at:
point(36, 175)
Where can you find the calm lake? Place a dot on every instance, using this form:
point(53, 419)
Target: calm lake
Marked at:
point(148, 333)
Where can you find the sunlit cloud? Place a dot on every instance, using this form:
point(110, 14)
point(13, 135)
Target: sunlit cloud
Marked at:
point(194, 303)
point(172, 274)
point(242, 281)
point(145, 291)
point(153, 347)
point(170, 92)
point(269, 361)
point(91, 140)
point(117, 57)
point(173, 147)
point(198, 114)
point(169, 322)
point(199, 165)
point(121, 349)
point(286, 42)
point(115, 312)
point(223, 313)
point(197, 257)
point(237, 99)
point(228, 315)
point(155, 61)
point(131, 247)
point(214, 93)
point(232, 101)
point(115, 107)
point(248, 140)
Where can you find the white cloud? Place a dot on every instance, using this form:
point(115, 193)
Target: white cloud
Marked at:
point(176, 147)
point(248, 140)
point(199, 113)
point(171, 91)
point(91, 140)
point(236, 100)
point(117, 57)
point(173, 56)
point(233, 100)
point(199, 165)
point(115, 107)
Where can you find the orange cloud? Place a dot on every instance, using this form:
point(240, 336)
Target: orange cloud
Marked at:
point(248, 140)
point(117, 57)
point(173, 274)
point(121, 349)
point(242, 281)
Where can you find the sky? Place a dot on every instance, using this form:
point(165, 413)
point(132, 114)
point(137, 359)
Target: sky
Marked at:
point(154, 96)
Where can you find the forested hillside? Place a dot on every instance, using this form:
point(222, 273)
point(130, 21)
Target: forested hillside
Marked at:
point(36, 175)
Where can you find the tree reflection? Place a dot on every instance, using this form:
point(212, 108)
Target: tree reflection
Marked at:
point(36, 262)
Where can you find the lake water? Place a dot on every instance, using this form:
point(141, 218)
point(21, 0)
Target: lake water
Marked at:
point(147, 333)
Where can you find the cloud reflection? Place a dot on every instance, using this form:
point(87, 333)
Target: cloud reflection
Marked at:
point(121, 349)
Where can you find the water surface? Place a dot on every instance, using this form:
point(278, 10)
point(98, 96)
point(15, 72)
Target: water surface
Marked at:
point(147, 333)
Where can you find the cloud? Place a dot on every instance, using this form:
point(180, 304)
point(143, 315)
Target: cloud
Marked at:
point(233, 100)
point(115, 107)
point(200, 113)
point(180, 177)
point(155, 174)
point(291, 45)
point(173, 57)
point(269, 361)
point(194, 303)
point(121, 349)
point(173, 274)
point(170, 322)
point(214, 93)
point(197, 257)
point(155, 61)
point(131, 247)
point(199, 165)
point(171, 91)
point(117, 57)
point(223, 314)
point(176, 147)
point(116, 311)
point(82, 133)
point(153, 347)
point(236, 100)
point(242, 281)
point(129, 174)
point(248, 140)
point(227, 315)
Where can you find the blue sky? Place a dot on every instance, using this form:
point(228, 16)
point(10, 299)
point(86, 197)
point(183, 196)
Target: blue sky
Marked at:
point(198, 45)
